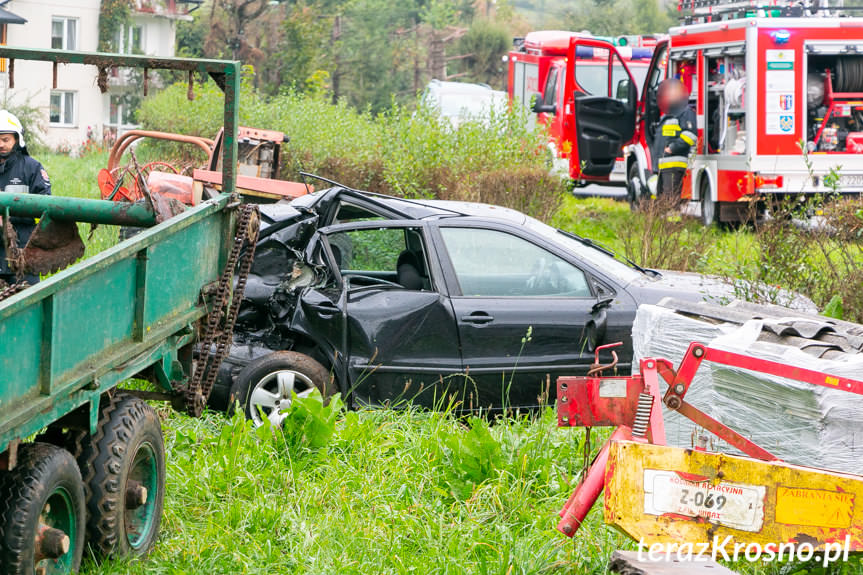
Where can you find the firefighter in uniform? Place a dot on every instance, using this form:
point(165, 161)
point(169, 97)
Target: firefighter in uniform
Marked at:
point(675, 137)
point(21, 174)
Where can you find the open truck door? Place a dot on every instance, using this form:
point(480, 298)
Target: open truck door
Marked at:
point(602, 102)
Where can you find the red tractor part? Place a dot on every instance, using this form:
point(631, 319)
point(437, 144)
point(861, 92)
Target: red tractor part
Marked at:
point(257, 168)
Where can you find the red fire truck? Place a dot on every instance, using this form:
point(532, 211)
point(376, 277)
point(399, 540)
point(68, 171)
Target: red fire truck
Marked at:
point(777, 86)
point(538, 79)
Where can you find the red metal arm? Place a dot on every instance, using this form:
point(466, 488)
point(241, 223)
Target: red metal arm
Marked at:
point(605, 401)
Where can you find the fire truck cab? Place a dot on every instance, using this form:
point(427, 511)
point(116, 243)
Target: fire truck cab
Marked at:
point(541, 77)
point(778, 94)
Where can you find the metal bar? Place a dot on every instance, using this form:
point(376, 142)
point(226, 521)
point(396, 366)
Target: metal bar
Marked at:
point(649, 373)
point(118, 60)
point(46, 362)
point(589, 488)
point(100, 261)
point(724, 432)
point(124, 141)
point(61, 208)
point(782, 370)
point(232, 120)
point(139, 330)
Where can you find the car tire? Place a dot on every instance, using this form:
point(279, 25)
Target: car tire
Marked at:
point(263, 388)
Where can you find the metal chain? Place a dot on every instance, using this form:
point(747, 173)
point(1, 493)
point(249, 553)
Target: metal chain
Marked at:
point(12, 289)
point(219, 327)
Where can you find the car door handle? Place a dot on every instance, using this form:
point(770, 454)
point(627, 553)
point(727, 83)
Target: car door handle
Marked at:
point(478, 317)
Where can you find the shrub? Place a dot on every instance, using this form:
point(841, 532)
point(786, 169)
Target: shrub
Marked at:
point(822, 259)
point(400, 152)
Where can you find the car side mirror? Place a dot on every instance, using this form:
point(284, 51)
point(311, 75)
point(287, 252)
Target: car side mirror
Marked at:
point(540, 108)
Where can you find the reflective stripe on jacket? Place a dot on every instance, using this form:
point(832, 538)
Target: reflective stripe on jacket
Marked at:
point(677, 132)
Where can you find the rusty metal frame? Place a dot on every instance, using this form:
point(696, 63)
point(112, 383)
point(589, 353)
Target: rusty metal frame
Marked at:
point(128, 138)
point(226, 74)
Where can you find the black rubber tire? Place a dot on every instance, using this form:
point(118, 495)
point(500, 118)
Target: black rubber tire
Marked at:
point(633, 192)
point(72, 440)
point(43, 473)
point(128, 430)
point(709, 208)
point(258, 369)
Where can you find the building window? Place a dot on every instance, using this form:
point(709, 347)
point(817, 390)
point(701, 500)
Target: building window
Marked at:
point(63, 106)
point(130, 39)
point(64, 33)
point(119, 113)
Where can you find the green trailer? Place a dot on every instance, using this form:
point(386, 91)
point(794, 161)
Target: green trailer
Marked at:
point(82, 459)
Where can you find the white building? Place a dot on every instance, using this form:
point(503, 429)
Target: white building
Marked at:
point(76, 107)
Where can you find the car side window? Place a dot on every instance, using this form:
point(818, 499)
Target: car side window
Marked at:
point(491, 263)
point(348, 212)
point(386, 255)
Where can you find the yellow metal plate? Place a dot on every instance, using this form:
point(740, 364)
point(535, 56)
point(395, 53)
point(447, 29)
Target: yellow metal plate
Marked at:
point(660, 494)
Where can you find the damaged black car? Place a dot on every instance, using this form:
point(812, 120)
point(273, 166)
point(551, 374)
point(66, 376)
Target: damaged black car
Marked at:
point(389, 301)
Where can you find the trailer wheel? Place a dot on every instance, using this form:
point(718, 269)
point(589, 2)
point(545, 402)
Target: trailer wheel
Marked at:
point(72, 440)
point(124, 478)
point(41, 512)
point(708, 206)
point(263, 388)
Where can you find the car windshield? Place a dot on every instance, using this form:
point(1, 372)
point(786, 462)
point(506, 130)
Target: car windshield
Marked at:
point(596, 256)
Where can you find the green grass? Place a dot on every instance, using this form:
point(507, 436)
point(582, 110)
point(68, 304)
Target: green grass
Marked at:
point(392, 492)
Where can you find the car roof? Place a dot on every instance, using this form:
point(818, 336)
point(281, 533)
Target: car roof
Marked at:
point(417, 209)
point(478, 210)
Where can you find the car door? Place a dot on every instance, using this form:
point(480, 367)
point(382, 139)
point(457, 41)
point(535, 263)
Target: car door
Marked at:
point(523, 312)
point(400, 337)
point(602, 101)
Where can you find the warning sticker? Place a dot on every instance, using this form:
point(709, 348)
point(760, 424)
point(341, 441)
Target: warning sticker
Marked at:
point(612, 388)
point(735, 505)
point(815, 507)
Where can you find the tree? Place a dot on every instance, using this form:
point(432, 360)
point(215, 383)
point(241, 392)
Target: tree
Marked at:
point(484, 46)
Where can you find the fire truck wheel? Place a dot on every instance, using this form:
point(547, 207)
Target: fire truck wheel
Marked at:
point(634, 186)
point(41, 512)
point(124, 478)
point(708, 206)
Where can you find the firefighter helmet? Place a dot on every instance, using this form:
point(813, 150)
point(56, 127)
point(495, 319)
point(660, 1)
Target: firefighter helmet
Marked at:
point(9, 124)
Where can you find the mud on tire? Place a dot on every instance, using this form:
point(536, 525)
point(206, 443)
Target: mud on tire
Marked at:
point(124, 478)
point(44, 488)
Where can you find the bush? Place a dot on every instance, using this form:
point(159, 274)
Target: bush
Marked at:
point(823, 261)
point(399, 152)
